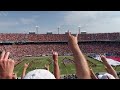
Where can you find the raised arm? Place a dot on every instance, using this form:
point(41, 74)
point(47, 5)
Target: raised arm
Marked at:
point(93, 76)
point(56, 66)
point(24, 70)
point(82, 69)
point(46, 67)
point(108, 67)
point(6, 66)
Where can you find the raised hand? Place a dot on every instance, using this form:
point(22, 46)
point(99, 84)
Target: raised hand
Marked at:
point(93, 74)
point(47, 66)
point(108, 67)
point(24, 70)
point(26, 65)
point(72, 39)
point(6, 66)
point(55, 56)
point(56, 66)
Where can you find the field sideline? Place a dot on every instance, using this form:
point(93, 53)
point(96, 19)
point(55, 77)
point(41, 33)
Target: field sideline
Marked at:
point(68, 68)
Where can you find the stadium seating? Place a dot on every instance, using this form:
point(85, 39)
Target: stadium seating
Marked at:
point(98, 43)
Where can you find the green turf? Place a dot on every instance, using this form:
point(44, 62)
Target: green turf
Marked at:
point(39, 62)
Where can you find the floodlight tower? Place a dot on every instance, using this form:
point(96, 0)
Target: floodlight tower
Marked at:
point(79, 28)
point(37, 29)
point(58, 30)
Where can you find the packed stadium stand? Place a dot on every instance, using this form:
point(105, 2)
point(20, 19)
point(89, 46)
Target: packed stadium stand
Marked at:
point(41, 44)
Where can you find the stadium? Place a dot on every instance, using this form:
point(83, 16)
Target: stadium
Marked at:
point(38, 40)
point(36, 49)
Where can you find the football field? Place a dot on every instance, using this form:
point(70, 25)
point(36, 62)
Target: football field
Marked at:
point(65, 63)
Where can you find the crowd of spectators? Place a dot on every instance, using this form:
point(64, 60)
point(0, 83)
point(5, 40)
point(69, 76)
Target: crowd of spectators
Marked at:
point(63, 49)
point(100, 47)
point(35, 49)
point(83, 71)
point(57, 37)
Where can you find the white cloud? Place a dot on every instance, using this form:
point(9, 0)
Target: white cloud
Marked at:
point(94, 21)
point(5, 24)
point(80, 17)
point(107, 25)
point(3, 13)
point(35, 16)
point(27, 20)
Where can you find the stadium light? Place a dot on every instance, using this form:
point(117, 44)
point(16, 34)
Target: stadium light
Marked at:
point(79, 28)
point(37, 29)
point(58, 29)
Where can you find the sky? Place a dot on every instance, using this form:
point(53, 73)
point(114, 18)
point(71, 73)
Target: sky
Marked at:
point(50, 21)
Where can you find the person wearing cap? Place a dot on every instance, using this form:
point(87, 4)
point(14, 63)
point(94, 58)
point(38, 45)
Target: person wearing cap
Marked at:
point(106, 76)
point(39, 74)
